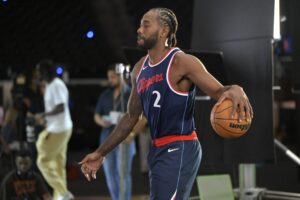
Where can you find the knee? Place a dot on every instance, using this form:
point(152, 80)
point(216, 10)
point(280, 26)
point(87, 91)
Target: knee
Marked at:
point(41, 162)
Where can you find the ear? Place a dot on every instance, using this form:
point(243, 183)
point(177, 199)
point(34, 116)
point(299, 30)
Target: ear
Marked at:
point(164, 32)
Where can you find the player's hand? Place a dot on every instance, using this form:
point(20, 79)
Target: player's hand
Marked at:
point(90, 165)
point(241, 103)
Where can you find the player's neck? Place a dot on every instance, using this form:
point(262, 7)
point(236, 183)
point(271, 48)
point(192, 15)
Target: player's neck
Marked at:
point(157, 53)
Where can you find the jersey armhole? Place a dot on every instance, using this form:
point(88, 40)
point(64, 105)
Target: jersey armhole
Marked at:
point(171, 86)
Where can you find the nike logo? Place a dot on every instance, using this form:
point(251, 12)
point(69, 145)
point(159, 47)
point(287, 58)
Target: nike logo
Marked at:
point(174, 149)
point(145, 67)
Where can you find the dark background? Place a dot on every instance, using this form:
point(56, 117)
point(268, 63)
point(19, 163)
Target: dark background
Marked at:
point(33, 30)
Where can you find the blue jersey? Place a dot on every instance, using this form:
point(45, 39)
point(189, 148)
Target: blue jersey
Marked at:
point(169, 111)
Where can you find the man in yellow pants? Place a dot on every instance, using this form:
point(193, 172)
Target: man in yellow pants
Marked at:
point(53, 141)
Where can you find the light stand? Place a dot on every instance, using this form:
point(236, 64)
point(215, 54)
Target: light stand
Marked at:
point(247, 183)
point(122, 69)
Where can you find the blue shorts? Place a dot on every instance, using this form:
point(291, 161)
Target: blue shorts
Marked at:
point(173, 169)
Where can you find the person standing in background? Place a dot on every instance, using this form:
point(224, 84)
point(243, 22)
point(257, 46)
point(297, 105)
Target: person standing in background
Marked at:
point(110, 105)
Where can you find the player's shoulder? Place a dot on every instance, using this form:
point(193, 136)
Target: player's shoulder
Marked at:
point(140, 62)
point(138, 66)
point(182, 57)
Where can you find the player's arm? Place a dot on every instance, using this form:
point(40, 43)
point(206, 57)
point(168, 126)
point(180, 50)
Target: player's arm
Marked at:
point(193, 69)
point(137, 129)
point(141, 125)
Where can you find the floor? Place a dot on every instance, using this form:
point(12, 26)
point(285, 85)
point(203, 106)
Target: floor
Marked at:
point(281, 176)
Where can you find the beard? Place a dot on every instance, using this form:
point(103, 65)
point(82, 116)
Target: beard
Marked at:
point(150, 42)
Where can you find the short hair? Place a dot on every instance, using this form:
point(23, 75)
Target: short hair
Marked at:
point(48, 66)
point(168, 18)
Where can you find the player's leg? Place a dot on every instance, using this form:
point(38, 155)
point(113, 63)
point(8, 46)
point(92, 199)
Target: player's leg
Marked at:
point(164, 165)
point(173, 169)
point(190, 165)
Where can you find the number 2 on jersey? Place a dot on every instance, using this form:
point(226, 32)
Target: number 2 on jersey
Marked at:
point(157, 99)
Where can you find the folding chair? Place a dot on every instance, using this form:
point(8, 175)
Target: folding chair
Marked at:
point(215, 187)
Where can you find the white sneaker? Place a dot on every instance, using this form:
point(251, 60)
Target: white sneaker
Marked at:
point(67, 196)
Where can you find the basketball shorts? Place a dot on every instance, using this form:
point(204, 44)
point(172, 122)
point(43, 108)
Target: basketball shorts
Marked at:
point(173, 169)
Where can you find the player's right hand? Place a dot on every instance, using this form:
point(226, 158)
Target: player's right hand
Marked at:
point(91, 164)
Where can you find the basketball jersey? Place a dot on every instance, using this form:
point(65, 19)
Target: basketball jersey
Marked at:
point(169, 111)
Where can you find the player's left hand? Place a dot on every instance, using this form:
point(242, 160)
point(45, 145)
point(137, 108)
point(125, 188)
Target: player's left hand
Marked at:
point(240, 101)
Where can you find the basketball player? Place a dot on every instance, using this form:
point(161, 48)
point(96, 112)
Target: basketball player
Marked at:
point(164, 84)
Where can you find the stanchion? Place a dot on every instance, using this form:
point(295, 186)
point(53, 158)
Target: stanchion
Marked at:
point(121, 69)
point(247, 183)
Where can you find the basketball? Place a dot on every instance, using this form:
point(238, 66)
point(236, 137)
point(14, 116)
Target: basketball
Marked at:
point(224, 125)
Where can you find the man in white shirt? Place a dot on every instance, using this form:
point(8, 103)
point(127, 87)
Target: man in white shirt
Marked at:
point(53, 140)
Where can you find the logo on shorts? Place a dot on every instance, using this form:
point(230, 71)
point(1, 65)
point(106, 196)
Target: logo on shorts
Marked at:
point(174, 149)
